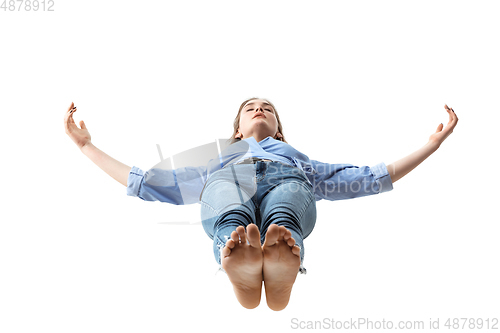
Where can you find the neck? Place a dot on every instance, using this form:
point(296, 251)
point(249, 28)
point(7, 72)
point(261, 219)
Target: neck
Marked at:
point(257, 137)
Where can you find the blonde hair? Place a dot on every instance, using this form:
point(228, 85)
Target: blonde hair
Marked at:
point(236, 123)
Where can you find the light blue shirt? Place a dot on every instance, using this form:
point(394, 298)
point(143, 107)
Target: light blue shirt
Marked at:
point(183, 185)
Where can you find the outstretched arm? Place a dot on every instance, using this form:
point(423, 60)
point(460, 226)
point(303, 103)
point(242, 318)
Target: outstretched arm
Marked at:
point(400, 168)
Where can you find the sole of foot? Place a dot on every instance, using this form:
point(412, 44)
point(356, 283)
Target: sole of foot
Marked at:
point(243, 262)
point(281, 265)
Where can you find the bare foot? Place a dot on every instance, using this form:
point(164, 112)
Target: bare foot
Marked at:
point(281, 265)
point(243, 265)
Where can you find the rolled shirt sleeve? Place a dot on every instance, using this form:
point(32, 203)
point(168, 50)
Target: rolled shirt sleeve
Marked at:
point(346, 181)
point(179, 187)
point(134, 180)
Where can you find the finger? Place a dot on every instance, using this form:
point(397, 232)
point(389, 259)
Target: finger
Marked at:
point(68, 120)
point(82, 125)
point(450, 114)
point(68, 117)
point(455, 118)
point(439, 128)
point(448, 108)
point(69, 111)
point(69, 125)
point(454, 114)
point(454, 121)
point(71, 120)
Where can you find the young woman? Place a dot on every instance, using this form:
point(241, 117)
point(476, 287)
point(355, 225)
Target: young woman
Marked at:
point(258, 200)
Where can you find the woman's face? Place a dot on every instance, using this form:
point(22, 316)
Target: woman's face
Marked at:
point(257, 119)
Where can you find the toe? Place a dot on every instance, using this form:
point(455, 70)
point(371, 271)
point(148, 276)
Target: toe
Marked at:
point(226, 251)
point(230, 244)
point(290, 241)
point(241, 232)
point(235, 237)
point(287, 235)
point(282, 231)
point(272, 235)
point(296, 250)
point(253, 235)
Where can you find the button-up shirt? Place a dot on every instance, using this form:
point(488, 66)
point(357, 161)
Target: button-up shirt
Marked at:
point(183, 185)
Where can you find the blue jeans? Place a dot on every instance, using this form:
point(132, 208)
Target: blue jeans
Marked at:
point(263, 193)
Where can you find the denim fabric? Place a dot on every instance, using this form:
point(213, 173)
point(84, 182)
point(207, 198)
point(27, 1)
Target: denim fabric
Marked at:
point(263, 193)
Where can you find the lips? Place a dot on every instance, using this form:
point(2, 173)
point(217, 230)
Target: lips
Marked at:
point(259, 115)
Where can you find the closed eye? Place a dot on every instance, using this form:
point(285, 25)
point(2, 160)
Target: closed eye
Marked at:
point(264, 109)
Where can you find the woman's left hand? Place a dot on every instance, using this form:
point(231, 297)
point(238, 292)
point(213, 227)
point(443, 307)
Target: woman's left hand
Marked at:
point(441, 134)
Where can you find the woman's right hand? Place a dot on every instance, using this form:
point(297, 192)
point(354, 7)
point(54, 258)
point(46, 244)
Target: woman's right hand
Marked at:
point(80, 136)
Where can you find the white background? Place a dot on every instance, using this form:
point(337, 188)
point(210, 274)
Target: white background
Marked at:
point(354, 82)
